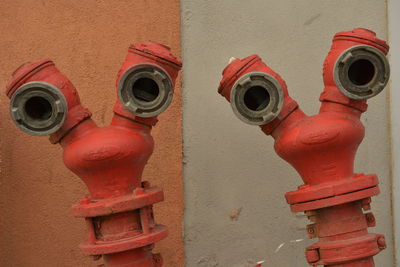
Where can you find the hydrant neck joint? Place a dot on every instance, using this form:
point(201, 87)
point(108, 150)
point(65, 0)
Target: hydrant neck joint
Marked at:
point(156, 51)
point(24, 72)
point(333, 95)
point(121, 111)
point(75, 116)
point(290, 106)
point(363, 36)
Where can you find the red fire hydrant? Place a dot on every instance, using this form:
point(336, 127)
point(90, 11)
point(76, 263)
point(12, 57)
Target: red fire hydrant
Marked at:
point(110, 160)
point(322, 147)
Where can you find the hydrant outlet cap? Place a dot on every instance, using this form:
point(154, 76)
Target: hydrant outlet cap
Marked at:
point(157, 50)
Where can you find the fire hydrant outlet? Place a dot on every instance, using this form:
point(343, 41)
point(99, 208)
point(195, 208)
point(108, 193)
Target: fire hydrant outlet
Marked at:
point(146, 90)
point(256, 98)
point(38, 108)
point(361, 72)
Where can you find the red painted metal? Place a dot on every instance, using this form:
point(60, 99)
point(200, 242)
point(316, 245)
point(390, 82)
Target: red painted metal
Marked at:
point(322, 149)
point(110, 161)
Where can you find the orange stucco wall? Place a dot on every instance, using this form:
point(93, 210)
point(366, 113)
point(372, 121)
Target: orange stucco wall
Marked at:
point(88, 41)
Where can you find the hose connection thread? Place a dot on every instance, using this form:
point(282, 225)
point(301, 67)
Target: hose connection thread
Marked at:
point(145, 90)
point(145, 82)
point(361, 72)
point(256, 98)
point(38, 108)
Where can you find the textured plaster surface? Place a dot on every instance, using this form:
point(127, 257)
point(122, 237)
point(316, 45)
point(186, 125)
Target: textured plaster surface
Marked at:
point(394, 38)
point(88, 41)
point(234, 182)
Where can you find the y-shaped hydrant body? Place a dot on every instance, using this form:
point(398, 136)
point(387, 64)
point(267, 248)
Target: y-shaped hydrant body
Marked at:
point(322, 148)
point(110, 160)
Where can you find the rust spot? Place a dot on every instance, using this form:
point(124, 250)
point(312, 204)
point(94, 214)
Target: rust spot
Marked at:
point(234, 216)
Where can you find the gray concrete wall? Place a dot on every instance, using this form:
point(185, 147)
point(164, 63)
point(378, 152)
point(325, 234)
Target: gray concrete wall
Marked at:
point(230, 166)
point(394, 38)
